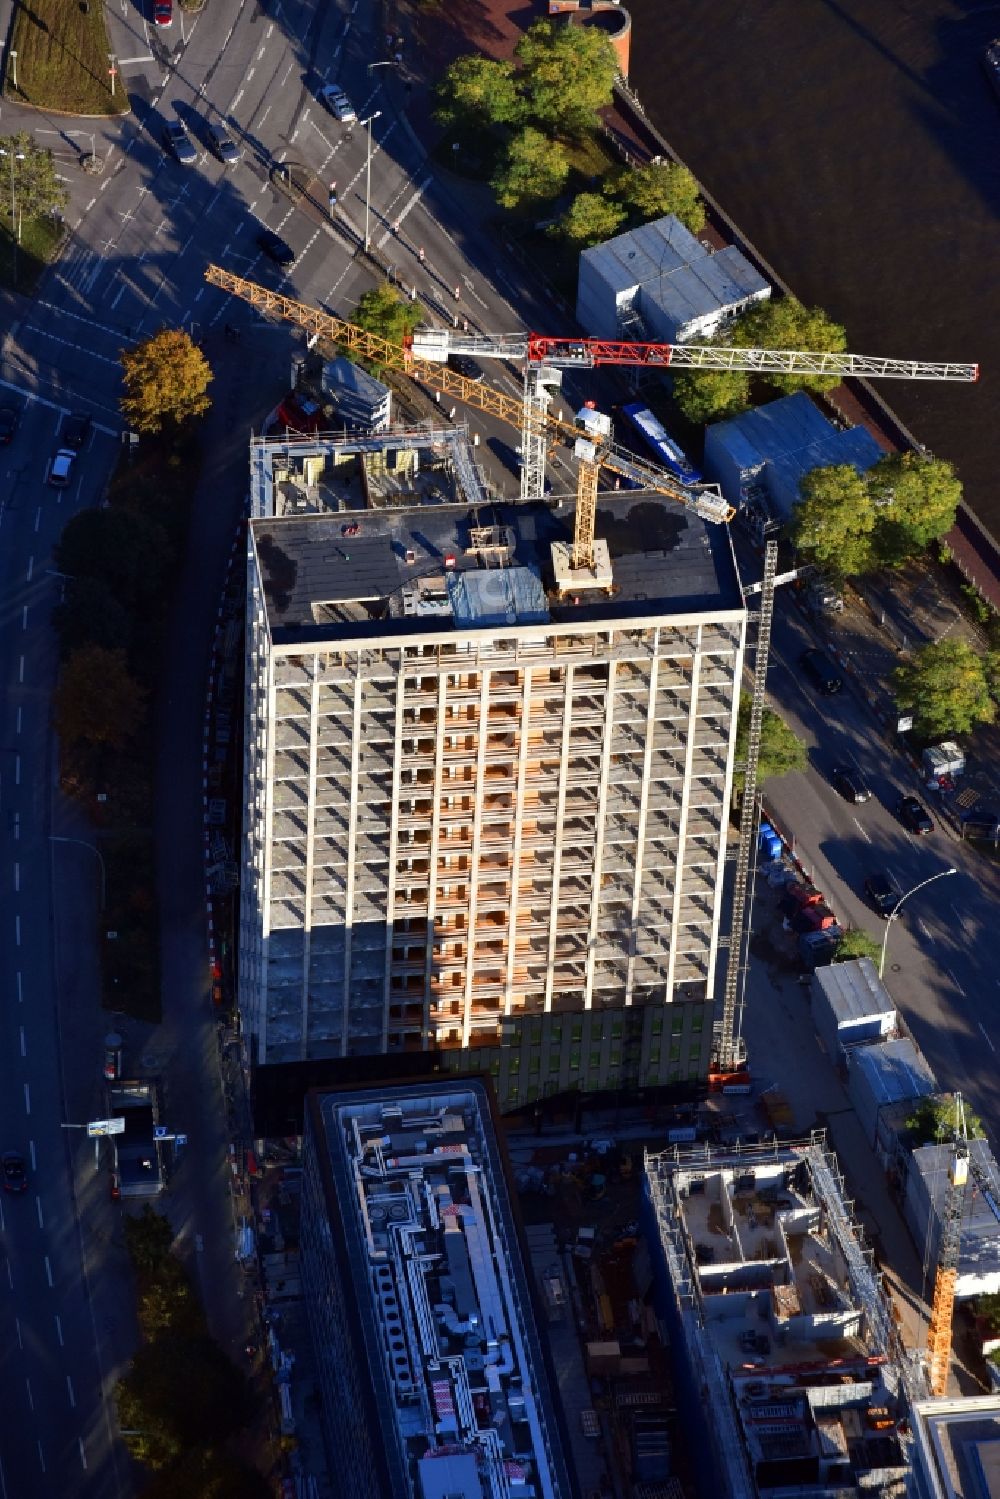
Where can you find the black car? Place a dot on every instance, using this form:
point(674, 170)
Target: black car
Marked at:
point(275, 248)
point(76, 430)
point(847, 780)
point(821, 671)
point(9, 420)
point(461, 364)
point(879, 890)
point(15, 1177)
point(913, 815)
point(180, 143)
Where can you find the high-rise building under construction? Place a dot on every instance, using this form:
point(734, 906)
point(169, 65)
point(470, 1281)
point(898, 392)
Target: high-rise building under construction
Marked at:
point(481, 818)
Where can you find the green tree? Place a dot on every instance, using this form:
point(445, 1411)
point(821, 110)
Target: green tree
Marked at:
point(166, 378)
point(534, 168)
point(857, 944)
point(475, 91)
point(659, 188)
point(148, 1238)
point(567, 74)
point(387, 313)
point(126, 552)
point(834, 520)
point(783, 323)
point(916, 497)
point(946, 688)
point(89, 614)
point(589, 220)
point(97, 700)
point(185, 1392)
point(207, 1473)
point(711, 395)
point(781, 749)
point(36, 189)
point(932, 1121)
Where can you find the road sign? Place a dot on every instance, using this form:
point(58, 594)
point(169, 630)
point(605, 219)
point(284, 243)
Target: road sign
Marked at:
point(180, 1139)
point(159, 1132)
point(98, 1127)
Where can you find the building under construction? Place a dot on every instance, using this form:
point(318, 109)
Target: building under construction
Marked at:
point(482, 816)
point(788, 1354)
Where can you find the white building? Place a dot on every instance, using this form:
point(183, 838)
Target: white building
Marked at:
point(660, 282)
point(478, 819)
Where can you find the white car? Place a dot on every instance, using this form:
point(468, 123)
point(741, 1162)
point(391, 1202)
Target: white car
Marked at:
point(61, 468)
point(339, 105)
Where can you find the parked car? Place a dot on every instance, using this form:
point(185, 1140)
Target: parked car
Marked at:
point(180, 143)
point(163, 12)
point(913, 815)
point(881, 893)
point(75, 431)
point(821, 671)
point(223, 144)
point(275, 248)
point(15, 1176)
point(112, 1057)
point(336, 101)
point(60, 469)
point(849, 782)
point(10, 419)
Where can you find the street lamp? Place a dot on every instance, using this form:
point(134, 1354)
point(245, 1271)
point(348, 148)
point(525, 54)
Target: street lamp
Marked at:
point(368, 175)
point(942, 874)
point(53, 838)
point(15, 232)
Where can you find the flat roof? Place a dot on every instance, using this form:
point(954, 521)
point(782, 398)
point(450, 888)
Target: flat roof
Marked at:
point(958, 1442)
point(451, 1347)
point(346, 576)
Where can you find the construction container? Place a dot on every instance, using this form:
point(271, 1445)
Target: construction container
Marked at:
point(603, 1358)
point(927, 1186)
point(850, 1006)
point(883, 1074)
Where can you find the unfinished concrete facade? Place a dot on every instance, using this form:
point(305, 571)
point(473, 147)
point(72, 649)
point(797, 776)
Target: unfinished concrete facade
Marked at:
point(469, 805)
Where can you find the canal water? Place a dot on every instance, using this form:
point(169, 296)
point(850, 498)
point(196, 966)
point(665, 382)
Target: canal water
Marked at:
point(857, 144)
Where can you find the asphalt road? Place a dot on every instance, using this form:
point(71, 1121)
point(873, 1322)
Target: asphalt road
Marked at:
point(855, 142)
point(938, 969)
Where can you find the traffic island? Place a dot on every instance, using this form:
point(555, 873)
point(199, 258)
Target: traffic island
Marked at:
point(60, 59)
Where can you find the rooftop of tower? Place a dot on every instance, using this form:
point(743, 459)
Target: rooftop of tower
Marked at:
point(441, 566)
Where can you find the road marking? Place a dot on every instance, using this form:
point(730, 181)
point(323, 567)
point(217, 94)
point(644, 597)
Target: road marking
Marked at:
point(69, 1391)
point(20, 670)
point(41, 1455)
point(68, 343)
point(48, 1272)
point(10, 1275)
point(38, 1205)
point(24, 1047)
point(31, 1152)
point(986, 1036)
point(31, 568)
point(20, 991)
point(27, 1099)
point(59, 1331)
point(17, 875)
point(17, 770)
point(31, 1398)
point(24, 617)
point(38, 518)
point(956, 983)
point(20, 1340)
point(91, 322)
point(83, 1455)
point(17, 930)
point(18, 720)
point(863, 831)
point(17, 835)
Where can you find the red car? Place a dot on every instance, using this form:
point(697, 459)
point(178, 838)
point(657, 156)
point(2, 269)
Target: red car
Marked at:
point(163, 12)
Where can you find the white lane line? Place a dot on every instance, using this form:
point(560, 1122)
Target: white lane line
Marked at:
point(31, 1398)
point(31, 1152)
point(31, 567)
point(24, 1044)
point(19, 710)
point(27, 1099)
point(986, 1036)
point(83, 1455)
point(17, 875)
point(956, 983)
point(59, 1331)
point(17, 930)
point(921, 923)
point(38, 1205)
point(20, 989)
point(38, 518)
point(48, 1272)
point(69, 1391)
point(20, 670)
point(17, 1326)
point(863, 831)
point(91, 323)
point(17, 835)
point(41, 1455)
point(10, 1275)
point(69, 344)
point(17, 770)
point(29, 395)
